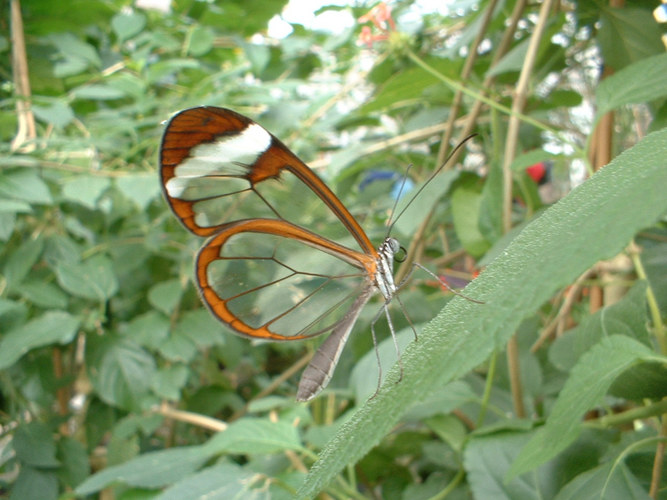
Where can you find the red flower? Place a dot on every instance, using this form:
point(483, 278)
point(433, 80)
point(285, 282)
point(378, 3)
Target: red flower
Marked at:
point(380, 16)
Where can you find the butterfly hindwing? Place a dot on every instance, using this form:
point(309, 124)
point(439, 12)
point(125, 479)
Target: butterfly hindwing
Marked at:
point(270, 279)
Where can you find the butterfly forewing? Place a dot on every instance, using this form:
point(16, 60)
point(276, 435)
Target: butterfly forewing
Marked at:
point(219, 166)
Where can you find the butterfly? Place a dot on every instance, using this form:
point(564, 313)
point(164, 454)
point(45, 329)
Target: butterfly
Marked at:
point(285, 259)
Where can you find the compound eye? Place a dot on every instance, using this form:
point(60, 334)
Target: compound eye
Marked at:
point(394, 245)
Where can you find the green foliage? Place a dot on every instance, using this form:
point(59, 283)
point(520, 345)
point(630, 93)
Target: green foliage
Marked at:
point(114, 377)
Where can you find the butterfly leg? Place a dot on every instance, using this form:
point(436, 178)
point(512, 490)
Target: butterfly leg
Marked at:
point(393, 336)
point(407, 316)
point(442, 282)
point(385, 309)
point(377, 352)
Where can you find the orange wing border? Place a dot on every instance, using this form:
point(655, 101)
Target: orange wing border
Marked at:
point(211, 252)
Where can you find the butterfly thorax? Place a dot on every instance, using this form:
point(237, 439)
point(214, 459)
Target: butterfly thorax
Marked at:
point(384, 278)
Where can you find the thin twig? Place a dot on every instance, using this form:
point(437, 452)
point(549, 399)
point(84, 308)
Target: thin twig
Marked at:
point(503, 48)
point(465, 74)
point(658, 460)
point(26, 133)
point(568, 303)
point(191, 418)
point(518, 105)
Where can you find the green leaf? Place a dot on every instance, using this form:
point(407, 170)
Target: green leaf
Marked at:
point(647, 380)
point(34, 445)
point(490, 218)
point(58, 113)
point(201, 41)
point(129, 85)
point(406, 85)
point(548, 254)
point(346, 157)
point(434, 191)
point(219, 482)
point(9, 306)
point(487, 459)
point(14, 207)
point(442, 401)
point(50, 328)
point(254, 436)
point(165, 68)
point(71, 45)
point(624, 87)
point(166, 295)
point(245, 18)
point(74, 55)
point(625, 317)
point(150, 470)
point(35, 483)
point(60, 248)
point(22, 260)
point(466, 205)
point(92, 279)
point(628, 35)
point(98, 92)
point(654, 259)
point(605, 481)
point(127, 25)
point(168, 381)
point(150, 329)
point(85, 189)
point(200, 327)
point(512, 61)
point(178, 347)
point(121, 449)
point(364, 376)
point(122, 373)
point(129, 426)
point(140, 188)
point(449, 429)
point(24, 185)
point(46, 295)
point(74, 458)
point(589, 381)
point(7, 223)
point(258, 55)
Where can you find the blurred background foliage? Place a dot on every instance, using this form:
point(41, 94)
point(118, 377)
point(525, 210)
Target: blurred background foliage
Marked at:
point(115, 381)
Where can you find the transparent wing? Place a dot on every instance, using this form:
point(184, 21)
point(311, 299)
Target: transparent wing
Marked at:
point(271, 279)
point(218, 167)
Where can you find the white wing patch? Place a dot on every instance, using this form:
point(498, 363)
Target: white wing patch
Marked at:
point(226, 156)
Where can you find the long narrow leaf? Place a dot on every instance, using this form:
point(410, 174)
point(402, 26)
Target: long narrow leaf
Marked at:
point(595, 221)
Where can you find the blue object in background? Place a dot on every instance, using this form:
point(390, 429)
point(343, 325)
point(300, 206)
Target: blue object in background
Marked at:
point(384, 175)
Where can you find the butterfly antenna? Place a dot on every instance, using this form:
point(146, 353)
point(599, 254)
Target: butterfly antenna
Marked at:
point(390, 224)
point(428, 181)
